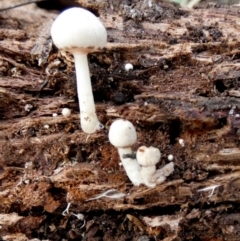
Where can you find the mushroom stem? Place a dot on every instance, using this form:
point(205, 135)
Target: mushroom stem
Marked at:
point(131, 166)
point(89, 120)
point(147, 174)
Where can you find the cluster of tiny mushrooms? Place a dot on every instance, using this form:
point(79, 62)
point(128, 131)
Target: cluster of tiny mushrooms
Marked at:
point(80, 39)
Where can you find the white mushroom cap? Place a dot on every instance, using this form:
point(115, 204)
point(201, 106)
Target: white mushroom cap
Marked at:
point(148, 156)
point(66, 112)
point(122, 133)
point(128, 66)
point(78, 29)
point(170, 157)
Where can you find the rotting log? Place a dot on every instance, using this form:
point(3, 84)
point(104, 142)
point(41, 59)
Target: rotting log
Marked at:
point(185, 85)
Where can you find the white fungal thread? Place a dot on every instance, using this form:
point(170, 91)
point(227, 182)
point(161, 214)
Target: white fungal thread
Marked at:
point(111, 193)
point(20, 182)
point(210, 188)
point(66, 211)
point(80, 216)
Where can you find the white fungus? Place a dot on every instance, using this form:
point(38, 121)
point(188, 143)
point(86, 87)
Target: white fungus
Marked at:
point(80, 32)
point(28, 165)
point(46, 126)
point(66, 112)
point(149, 3)
point(231, 112)
point(110, 193)
point(162, 173)
point(170, 157)
point(181, 142)
point(128, 66)
point(210, 188)
point(28, 107)
point(122, 135)
point(54, 114)
point(148, 157)
point(66, 211)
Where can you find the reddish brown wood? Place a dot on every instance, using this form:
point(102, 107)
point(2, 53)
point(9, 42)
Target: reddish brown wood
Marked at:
point(185, 85)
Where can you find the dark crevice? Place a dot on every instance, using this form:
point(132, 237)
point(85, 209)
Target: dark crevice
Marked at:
point(175, 128)
point(220, 86)
point(57, 193)
point(222, 122)
point(59, 5)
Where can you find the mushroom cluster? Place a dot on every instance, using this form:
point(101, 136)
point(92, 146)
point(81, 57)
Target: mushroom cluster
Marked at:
point(80, 32)
point(140, 168)
point(122, 134)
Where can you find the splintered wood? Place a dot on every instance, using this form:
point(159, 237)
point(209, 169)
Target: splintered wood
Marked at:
point(184, 85)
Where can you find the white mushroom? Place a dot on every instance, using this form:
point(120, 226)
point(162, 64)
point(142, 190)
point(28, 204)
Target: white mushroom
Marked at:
point(128, 66)
point(170, 157)
point(122, 135)
point(66, 112)
point(148, 157)
point(81, 32)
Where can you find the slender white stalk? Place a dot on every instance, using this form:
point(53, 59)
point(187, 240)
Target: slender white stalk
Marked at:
point(89, 120)
point(210, 188)
point(131, 166)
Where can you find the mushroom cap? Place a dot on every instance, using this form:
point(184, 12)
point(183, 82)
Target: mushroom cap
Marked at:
point(122, 134)
point(66, 112)
point(77, 29)
point(148, 156)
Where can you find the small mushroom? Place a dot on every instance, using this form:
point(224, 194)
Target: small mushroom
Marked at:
point(66, 112)
point(170, 157)
point(181, 142)
point(122, 135)
point(128, 66)
point(148, 157)
point(80, 32)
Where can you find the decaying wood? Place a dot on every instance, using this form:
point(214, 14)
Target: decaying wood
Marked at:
point(185, 85)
